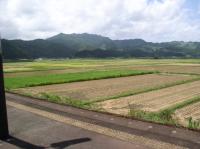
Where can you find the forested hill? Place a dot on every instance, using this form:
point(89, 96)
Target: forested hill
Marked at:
point(96, 46)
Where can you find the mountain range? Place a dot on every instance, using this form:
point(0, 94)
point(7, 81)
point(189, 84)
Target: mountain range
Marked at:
point(96, 46)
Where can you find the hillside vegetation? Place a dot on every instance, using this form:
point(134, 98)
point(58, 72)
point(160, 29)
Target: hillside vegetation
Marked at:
point(96, 46)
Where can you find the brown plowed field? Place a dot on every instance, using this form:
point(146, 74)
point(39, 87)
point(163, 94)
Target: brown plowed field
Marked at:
point(153, 101)
point(100, 89)
point(189, 111)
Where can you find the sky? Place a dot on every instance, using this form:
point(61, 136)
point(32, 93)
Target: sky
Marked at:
point(151, 20)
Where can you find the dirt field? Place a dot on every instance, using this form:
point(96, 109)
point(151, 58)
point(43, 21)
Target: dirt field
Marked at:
point(99, 89)
point(153, 101)
point(183, 114)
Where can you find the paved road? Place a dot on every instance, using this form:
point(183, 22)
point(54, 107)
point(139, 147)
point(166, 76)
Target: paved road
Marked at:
point(38, 124)
point(32, 131)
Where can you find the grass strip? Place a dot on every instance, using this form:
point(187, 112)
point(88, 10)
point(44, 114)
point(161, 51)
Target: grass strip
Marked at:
point(58, 99)
point(64, 100)
point(165, 116)
point(30, 81)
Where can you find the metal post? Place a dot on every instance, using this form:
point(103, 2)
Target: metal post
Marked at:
point(4, 133)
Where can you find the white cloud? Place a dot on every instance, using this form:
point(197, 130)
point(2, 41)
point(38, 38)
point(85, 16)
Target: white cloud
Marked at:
point(152, 20)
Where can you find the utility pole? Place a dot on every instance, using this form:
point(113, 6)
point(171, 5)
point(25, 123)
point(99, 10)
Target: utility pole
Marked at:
point(4, 133)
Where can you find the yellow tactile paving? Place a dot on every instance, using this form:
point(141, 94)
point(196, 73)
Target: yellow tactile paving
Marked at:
point(98, 129)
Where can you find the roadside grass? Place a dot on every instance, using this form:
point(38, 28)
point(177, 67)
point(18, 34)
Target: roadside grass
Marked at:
point(64, 100)
point(130, 93)
point(193, 124)
point(59, 100)
point(165, 116)
point(30, 81)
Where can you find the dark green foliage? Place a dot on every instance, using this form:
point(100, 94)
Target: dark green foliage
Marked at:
point(90, 45)
point(98, 53)
point(19, 49)
point(84, 41)
point(193, 124)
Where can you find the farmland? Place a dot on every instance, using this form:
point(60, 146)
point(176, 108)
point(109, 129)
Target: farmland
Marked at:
point(189, 69)
point(105, 88)
point(191, 111)
point(19, 82)
point(154, 90)
point(154, 101)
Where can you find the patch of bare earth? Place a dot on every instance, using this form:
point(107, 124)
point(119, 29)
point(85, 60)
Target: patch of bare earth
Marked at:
point(153, 101)
point(183, 114)
point(100, 89)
